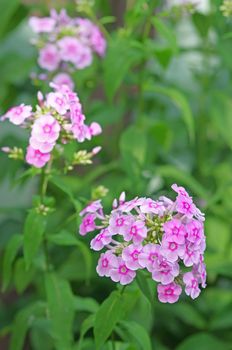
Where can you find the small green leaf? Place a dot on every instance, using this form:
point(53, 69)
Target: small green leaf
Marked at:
point(23, 321)
point(61, 310)
point(166, 33)
point(33, 234)
point(137, 334)
point(109, 313)
point(22, 276)
point(9, 257)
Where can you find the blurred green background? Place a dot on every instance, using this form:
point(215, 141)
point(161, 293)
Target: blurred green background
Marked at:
point(163, 95)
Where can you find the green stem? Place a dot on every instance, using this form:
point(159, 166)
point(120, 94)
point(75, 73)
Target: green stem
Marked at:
point(123, 289)
point(44, 180)
point(43, 191)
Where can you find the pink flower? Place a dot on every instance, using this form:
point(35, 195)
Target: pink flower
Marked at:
point(105, 263)
point(191, 285)
point(95, 129)
point(63, 79)
point(185, 205)
point(46, 129)
point(80, 132)
point(128, 206)
point(148, 256)
point(76, 115)
point(84, 58)
point(118, 223)
point(180, 190)
point(191, 254)
point(130, 255)
point(121, 273)
point(102, 239)
point(70, 48)
point(169, 293)
point(136, 232)
point(164, 271)
point(171, 250)
point(57, 101)
point(49, 57)
point(44, 147)
point(88, 224)
point(195, 231)
point(61, 18)
point(92, 207)
point(199, 270)
point(154, 207)
point(174, 231)
point(36, 158)
point(42, 25)
point(18, 114)
point(85, 29)
point(98, 42)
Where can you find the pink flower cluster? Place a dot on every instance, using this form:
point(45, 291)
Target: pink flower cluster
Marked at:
point(163, 236)
point(66, 42)
point(58, 116)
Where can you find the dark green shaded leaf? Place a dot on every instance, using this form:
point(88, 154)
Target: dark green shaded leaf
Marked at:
point(138, 334)
point(9, 257)
point(61, 310)
point(33, 235)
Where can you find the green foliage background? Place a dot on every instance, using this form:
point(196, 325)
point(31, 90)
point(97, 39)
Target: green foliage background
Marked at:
point(163, 95)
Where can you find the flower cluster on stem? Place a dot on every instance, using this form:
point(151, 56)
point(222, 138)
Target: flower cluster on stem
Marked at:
point(66, 43)
point(58, 118)
point(163, 236)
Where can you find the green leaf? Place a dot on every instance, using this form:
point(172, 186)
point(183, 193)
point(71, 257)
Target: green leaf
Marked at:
point(22, 276)
point(221, 113)
point(180, 101)
point(202, 341)
point(60, 183)
point(61, 310)
point(120, 57)
point(23, 321)
point(85, 304)
point(8, 9)
point(133, 147)
point(145, 286)
point(86, 325)
point(138, 334)
point(65, 238)
point(166, 33)
point(8, 259)
point(33, 234)
point(109, 313)
point(214, 226)
point(202, 23)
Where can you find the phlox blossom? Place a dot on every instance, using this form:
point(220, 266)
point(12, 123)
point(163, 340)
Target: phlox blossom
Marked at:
point(169, 293)
point(36, 158)
point(120, 272)
point(17, 115)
